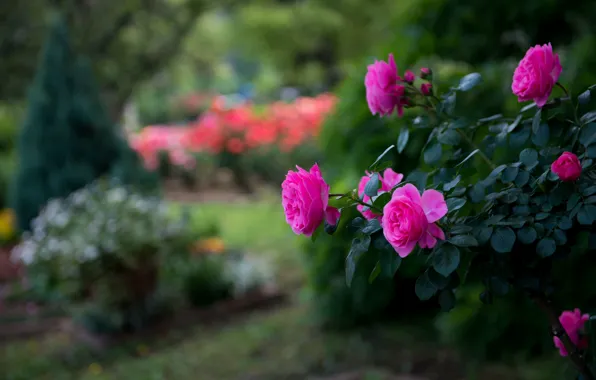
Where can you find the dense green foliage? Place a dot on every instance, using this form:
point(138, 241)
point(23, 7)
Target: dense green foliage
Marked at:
point(67, 139)
point(437, 29)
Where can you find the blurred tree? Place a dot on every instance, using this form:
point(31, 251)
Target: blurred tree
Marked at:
point(310, 40)
point(128, 41)
point(67, 139)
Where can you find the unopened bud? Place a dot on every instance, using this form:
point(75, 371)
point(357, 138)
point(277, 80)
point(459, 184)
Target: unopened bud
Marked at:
point(409, 77)
point(426, 89)
point(426, 73)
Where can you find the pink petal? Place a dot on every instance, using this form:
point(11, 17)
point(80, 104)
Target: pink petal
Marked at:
point(409, 191)
point(436, 231)
point(405, 251)
point(434, 205)
point(391, 178)
point(427, 240)
point(392, 62)
point(332, 215)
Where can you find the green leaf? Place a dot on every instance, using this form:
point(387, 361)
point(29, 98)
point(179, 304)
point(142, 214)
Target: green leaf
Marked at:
point(433, 153)
point(454, 204)
point(451, 184)
point(496, 171)
point(418, 179)
point(371, 227)
point(446, 300)
point(381, 200)
point(591, 151)
point(402, 140)
point(469, 81)
point(527, 235)
point(448, 104)
point(514, 125)
point(522, 178)
point(560, 237)
point(330, 228)
point(573, 199)
point(446, 259)
point(340, 202)
point(542, 215)
point(509, 174)
point(494, 219)
point(546, 247)
point(565, 223)
point(529, 157)
point(373, 185)
point(359, 247)
point(542, 135)
point(590, 200)
point(527, 107)
point(584, 97)
point(588, 134)
point(589, 191)
point(464, 241)
point(461, 229)
point(490, 118)
point(390, 262)
point(484, 234)
point(317, 232)
point(588, 117)
point(374, 273)
point(469, 156)
point(502, 239)
point(374, 166)
point(575, 210)
point(536, 120)
point(424, 288)
point(437, 279)
point(449, 137)
point(586, 215)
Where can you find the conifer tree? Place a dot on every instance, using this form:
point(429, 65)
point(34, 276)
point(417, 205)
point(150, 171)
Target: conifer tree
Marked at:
point(67, 139)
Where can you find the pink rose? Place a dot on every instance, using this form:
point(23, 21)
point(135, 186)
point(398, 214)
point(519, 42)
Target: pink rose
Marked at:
point(409, 77)
point(388, 179)
point(567, 167)
point(305, 196)
point(383, 93)
point(573, 323)
point(426, 89)
point(410, 218)
point(536, 75)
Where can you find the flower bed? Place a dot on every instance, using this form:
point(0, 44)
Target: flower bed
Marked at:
point(244, 139)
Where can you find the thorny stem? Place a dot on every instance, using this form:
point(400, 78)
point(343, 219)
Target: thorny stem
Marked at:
point(473, 145)
point(558, 331)
point(572, 105)
point(359, 202)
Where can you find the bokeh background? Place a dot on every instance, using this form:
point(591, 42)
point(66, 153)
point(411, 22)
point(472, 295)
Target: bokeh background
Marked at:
point(203, 106)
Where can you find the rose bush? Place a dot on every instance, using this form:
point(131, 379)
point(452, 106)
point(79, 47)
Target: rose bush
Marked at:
point(505, 206)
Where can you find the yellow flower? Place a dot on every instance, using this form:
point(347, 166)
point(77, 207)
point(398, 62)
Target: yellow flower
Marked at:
point(211, 245)
point(7, 221)
point(142, 350)
point(95, 369)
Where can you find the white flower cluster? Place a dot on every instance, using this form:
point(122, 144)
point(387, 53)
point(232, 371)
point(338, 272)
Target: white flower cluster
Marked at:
point(94, 221)
point(248, 273)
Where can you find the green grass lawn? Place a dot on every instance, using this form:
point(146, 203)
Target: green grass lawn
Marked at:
point(257, 227)
point(267, 345)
